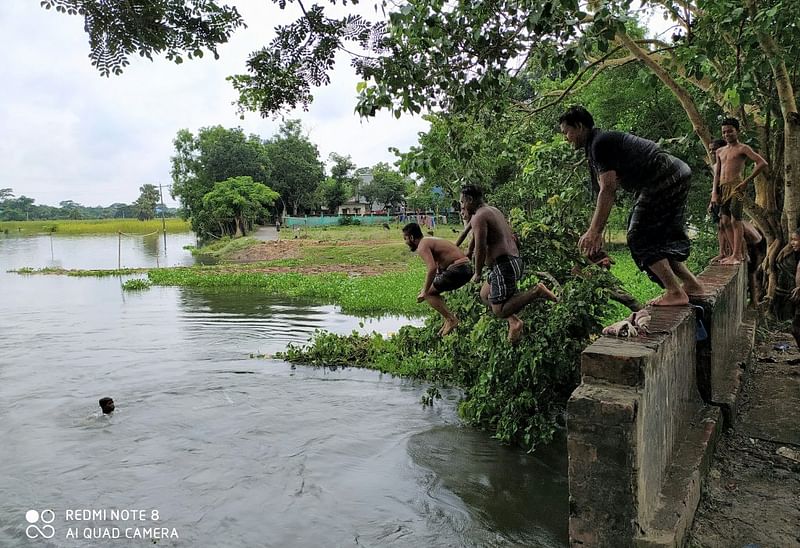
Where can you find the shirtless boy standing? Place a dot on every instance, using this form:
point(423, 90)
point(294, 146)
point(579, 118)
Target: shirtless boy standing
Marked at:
point(448, 269)
point(729, 183)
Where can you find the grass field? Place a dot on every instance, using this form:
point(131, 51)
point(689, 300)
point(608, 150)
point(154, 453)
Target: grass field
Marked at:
point(94, 226)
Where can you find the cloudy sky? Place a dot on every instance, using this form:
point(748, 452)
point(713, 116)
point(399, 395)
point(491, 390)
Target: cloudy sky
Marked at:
point(70, 134)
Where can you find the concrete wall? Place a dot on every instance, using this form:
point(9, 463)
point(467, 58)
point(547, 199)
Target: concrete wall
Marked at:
point(719, 358)
point(639, 433)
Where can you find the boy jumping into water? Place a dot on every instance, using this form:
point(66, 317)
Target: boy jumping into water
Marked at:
point(495, 246)
point(448, 269)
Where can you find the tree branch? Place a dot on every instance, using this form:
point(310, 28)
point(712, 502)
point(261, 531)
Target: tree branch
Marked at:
point(683, 96)
point(575, 80)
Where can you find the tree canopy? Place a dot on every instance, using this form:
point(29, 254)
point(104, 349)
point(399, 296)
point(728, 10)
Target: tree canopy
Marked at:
point(175, 28)
point(235, 204)
point(296, 167)
point(215, 154)
point(145, 205)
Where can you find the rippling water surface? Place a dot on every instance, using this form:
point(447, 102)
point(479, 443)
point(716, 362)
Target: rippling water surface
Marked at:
point(231, 450)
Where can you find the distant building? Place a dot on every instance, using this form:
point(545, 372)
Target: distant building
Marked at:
point(358, 204)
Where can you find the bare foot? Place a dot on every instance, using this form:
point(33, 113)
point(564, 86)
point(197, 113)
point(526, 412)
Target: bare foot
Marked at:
point(448, 326)
point(515, 327)
point(544, 293)
point(671, 299)
point(731, 261)
point(718, 258)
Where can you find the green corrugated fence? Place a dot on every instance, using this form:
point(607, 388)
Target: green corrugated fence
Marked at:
point(331, 220)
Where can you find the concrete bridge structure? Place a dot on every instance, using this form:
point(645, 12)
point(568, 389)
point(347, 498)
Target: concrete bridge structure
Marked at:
point(643, 424)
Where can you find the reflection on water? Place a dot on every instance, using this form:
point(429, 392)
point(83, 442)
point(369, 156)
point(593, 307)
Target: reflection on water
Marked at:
point(234, 451)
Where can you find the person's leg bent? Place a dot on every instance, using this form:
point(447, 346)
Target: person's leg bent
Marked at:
point(521, 300)
point(437, 303)
point(485, 290)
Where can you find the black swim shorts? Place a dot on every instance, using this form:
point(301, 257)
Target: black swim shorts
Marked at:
point(453, 277)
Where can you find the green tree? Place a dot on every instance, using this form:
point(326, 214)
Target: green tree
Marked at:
point(296, 168)
point(333, 193)
point(145, 205)
point(120, 210)
point(215, 154)
point(6, 193)
point(235, 204)
point(343, 170)
point(387, 186)
point(341, 185)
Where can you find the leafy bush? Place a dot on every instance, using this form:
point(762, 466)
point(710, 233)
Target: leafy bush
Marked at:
point(136, 284)
point(349, 220)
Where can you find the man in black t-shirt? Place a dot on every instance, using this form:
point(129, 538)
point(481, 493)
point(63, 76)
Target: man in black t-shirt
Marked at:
point(660, 182)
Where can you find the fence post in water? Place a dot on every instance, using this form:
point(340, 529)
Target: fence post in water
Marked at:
point(119, 250)
point(163, 222)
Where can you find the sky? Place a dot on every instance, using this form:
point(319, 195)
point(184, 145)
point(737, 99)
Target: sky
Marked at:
point(70, 134)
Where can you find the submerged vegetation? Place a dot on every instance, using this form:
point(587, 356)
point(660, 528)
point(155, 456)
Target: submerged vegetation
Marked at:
point(515, 391)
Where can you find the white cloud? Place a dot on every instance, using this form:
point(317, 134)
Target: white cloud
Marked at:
point(70, 134)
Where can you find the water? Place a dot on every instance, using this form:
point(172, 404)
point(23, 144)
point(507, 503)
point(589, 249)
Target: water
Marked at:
point(230, 450)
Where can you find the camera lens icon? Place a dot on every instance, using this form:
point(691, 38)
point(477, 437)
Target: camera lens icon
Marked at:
point(46, 517)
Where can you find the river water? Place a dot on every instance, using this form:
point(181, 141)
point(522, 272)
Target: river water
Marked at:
point(218, 448)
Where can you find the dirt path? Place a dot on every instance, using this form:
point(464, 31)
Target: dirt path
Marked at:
point(294, 249)
point(266, 233)
point(752, 494)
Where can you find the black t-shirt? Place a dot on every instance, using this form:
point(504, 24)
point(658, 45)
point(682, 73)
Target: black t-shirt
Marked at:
point(639, 163)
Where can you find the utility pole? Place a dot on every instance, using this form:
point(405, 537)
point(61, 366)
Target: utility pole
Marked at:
point(163, 222)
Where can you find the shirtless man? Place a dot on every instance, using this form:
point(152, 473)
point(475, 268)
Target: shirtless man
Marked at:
point(494, 246)
point(729, 184)
point(448, 269)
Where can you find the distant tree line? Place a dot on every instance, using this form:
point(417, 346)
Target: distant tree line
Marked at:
point(282, 175)
point(23, 208)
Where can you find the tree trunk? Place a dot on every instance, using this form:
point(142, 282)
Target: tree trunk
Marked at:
point(683, 96)
point(238, 224)
point(791, 138)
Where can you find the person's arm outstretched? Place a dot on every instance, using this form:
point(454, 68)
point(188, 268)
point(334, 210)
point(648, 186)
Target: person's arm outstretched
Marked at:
point(592, 240)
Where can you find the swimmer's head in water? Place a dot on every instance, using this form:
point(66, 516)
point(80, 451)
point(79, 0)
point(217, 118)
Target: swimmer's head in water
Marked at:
point(107, 405)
